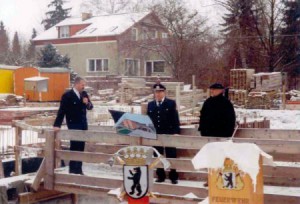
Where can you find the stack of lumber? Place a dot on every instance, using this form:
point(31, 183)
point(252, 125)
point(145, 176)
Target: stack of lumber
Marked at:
point(268, 81)
point(241, 78)
point(238, 96)
point(261, 100)
point(171, 88)
point(132, 88)
point(106, 94)
point(189, 98)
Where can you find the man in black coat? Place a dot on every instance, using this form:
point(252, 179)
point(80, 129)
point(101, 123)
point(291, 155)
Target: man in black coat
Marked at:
point(217, 117)
point(164, 115)
point(73, 105)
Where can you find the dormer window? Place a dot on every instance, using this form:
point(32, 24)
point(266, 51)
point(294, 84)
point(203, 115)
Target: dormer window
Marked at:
point(64, 32)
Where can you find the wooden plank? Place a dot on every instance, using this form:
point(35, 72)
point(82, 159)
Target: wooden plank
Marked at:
point(262, 133)
point(49, 159)
point(92, 186)
point(281, 199)
point(39, 176)
point(42, 195)
point(93, 136)
point(1, 169)
point(279, 175)
point(116, 182)
point(24, 126)
point(180, 141)
point(18, 157)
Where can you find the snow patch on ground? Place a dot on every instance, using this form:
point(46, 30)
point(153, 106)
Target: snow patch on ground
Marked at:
point(279, 119)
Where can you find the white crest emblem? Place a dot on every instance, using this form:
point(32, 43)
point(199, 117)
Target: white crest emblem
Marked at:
point(135, 180)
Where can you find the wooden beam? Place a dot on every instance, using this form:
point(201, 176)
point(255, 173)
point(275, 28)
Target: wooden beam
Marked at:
point(93, 185)
point(262, 133)
point(182, 164)
point(42, 195)
point(21, 124)
point(116, 182)
point(18, 157)
point(1, 169)
point(50, 160)
point(39, 176)
point(180, 141)
point(91, 136)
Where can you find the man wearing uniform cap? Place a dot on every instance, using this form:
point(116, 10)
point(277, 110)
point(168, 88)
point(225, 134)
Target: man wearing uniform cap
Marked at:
point(217, 117)
point(164, 115)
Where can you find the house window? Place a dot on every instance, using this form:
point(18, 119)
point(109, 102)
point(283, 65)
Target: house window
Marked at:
point(153, 34)
point(64, 32)
point(131, 67)
point(159, 66)
point(164, 35)
point(134, 34)
point(145, 34)
point(97, 65)
point(155, 67)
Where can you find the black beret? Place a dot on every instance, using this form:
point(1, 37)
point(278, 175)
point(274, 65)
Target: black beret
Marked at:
point(159, 87)
point(216, 86)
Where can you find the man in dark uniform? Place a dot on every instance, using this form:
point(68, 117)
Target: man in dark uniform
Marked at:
point(217, 117)
point(164, 115)
point(73, 105)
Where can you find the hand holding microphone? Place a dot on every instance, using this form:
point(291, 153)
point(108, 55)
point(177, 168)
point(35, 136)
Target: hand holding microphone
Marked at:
point(85, 97)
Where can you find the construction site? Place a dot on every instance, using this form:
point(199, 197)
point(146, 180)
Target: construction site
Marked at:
point(35, 159)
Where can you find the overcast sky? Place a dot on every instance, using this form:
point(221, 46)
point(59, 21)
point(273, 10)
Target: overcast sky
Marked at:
point(24, 15)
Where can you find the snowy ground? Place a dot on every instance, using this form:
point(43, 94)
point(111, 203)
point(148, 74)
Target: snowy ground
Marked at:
point(280, 119)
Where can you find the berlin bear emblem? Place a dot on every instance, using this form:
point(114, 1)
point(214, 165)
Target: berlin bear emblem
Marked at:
point(135, 180)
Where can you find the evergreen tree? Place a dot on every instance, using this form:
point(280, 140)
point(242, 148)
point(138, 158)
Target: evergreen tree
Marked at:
point(4, 44)
point(30, 51)
point(57, 15)
point(290, 46)
point(16, 47)
point(49, 57)
point(241, 45)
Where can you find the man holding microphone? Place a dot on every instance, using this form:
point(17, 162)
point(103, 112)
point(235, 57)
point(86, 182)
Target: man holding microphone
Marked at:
point(73, 105)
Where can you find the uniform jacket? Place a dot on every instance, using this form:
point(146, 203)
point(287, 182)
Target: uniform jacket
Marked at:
point(74, 109)
point(165, 118)
point(217, 117)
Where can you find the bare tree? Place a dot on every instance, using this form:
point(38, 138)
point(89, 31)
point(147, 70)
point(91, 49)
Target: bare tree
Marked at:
point(100, 7)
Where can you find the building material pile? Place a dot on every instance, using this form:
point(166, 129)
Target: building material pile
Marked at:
point(260, 100)
point(251, 90)
point(240, 83)
point(131, 89)
point(268, 81)
point(241, 78)
point(9, 100)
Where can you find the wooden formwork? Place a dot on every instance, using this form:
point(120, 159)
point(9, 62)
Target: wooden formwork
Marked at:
point(282, 145)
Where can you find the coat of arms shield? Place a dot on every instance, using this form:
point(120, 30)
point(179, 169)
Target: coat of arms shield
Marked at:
point(135, 180)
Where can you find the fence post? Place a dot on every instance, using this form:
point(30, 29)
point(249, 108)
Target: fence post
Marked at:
point(178, 97)
point(1, 169)
point(49, 159)
point(18, 153)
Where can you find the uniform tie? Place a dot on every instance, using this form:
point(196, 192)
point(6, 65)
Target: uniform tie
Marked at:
point(159, 103)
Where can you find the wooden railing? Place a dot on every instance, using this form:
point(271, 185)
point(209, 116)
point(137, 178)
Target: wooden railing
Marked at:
point(283, 145)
